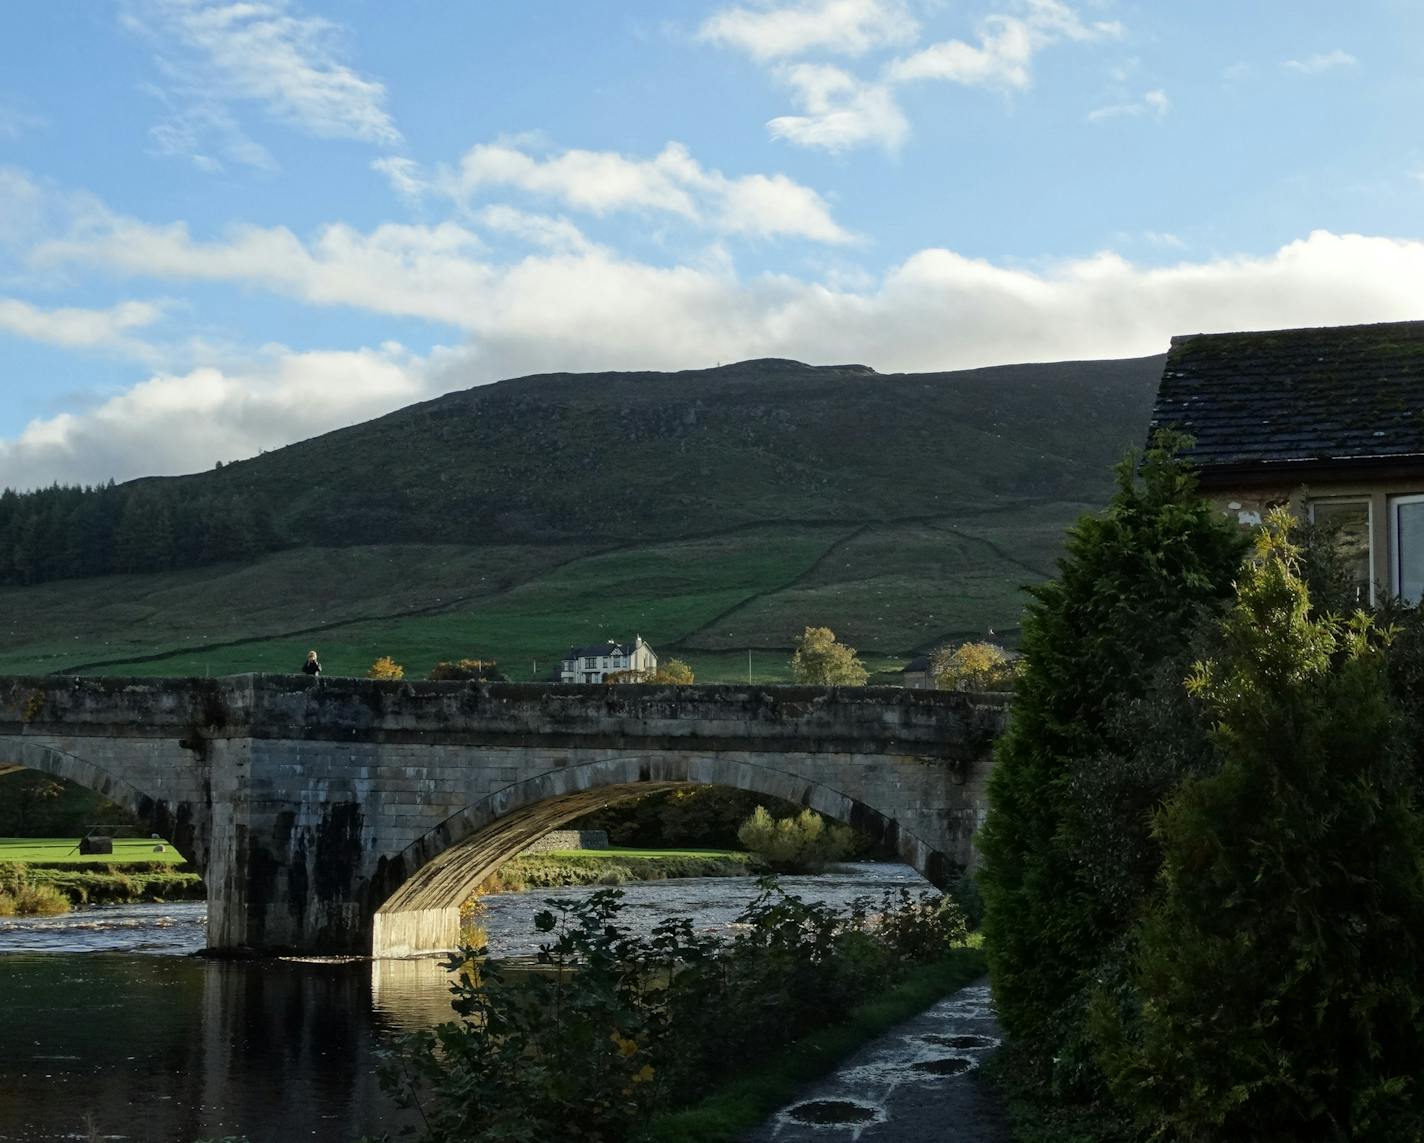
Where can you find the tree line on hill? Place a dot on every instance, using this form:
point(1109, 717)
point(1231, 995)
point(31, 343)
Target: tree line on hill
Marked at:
point(67, 531)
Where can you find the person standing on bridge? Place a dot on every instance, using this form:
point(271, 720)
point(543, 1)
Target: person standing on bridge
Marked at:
point(312, 666)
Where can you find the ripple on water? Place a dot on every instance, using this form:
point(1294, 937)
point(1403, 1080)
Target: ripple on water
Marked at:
point(174, 929)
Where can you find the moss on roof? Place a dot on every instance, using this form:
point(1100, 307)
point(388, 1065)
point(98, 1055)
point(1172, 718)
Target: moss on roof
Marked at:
point(1280, 396)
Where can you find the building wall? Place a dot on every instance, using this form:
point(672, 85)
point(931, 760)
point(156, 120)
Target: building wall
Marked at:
point(1248, 505)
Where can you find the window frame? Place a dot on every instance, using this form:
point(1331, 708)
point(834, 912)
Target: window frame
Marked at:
point(1395, 502)
point(1368, 502)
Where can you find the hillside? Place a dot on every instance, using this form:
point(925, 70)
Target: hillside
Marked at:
point(711, 511)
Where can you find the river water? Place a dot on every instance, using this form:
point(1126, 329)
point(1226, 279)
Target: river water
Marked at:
point(110, 1029)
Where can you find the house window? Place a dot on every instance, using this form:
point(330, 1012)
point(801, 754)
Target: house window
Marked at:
point(1349, 521)
point(1406, 536)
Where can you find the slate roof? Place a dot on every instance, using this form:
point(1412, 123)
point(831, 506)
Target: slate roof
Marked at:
point(1342, 393)
point(920, 663)
point(594, 650)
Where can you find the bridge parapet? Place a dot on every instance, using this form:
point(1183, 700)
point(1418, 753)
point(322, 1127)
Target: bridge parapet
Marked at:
point(883, 720)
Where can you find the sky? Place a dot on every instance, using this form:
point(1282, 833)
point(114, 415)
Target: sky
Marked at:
point(226, 226)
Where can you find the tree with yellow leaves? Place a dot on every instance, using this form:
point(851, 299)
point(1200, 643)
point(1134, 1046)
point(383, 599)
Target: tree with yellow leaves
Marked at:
point(386, 668)
point(821, 661)
point(973, 667)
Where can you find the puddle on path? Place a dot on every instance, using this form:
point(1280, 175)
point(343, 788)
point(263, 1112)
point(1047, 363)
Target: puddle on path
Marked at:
point(832, 1111)
point(945, 1066)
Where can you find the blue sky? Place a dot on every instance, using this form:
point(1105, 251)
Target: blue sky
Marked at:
point(225, 226)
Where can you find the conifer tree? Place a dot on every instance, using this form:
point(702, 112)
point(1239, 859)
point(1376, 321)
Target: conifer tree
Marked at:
point(1133, 583)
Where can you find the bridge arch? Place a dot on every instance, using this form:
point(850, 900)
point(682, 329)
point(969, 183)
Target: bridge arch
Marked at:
point(416, 894)
point(175, 825)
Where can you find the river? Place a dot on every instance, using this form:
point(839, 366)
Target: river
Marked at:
point(111, 1030)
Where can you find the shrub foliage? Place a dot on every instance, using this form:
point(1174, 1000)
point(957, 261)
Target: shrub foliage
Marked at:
point(1278, 975)
point(800, 844)
point(1134, 582)
point(617, 1026)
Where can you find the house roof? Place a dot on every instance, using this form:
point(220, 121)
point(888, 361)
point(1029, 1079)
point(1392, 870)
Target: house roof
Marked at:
point(594, 650)
point(920, 663)
point(1342, 393)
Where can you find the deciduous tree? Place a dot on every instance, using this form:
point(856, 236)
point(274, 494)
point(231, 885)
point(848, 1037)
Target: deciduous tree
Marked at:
point(821, 661)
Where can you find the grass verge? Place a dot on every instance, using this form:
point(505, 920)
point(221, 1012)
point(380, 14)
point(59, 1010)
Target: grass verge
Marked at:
point(65, 851)
point(614, 867)
point(748, 1099)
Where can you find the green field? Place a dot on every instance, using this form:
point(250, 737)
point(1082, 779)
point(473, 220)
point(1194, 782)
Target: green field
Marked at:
point(891, 590)
point(65, 851)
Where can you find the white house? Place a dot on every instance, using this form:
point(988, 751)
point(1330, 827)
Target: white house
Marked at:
point(594, 663)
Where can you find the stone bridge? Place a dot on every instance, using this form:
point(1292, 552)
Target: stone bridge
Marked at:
point(349, 816)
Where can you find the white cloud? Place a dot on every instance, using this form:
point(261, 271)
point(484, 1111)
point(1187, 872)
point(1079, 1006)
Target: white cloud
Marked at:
point(1007, 44)
point(218, 54)
point(1153, 104)
point(404, 176)
point(206, 134)
point(839, 111)
point(538, 229)
point(606, 182)
point(415, 271)
point(1321, 62)
point(843, 27)
point(76, 328)
point(175, 423)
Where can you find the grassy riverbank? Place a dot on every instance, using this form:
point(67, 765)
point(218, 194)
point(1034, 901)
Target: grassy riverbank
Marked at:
point(135, 873)
point(47, 875)
point(615, 867)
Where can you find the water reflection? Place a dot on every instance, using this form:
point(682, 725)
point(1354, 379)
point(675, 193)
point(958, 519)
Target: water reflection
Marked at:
point(120, 1043)
point(166, 1048)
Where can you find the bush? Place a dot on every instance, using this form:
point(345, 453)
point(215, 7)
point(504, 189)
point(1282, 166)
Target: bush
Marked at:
point(669, 672)
point(803, 844)
point(21, 896)
point(1278, 978)
point(480, 670)
point(1133, 585)
point(386, 668)
point(616, 1026)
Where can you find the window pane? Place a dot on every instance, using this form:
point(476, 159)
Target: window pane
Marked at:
point(1350, 523)
point(1409, 566)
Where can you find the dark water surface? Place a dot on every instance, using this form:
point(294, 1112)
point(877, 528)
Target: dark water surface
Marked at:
point(109, 1030)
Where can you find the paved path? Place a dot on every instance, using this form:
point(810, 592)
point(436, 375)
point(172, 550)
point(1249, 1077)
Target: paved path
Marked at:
point(918, 1083)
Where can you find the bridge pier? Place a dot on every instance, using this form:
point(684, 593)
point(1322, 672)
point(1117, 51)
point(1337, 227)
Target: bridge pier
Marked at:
point(352, 817)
